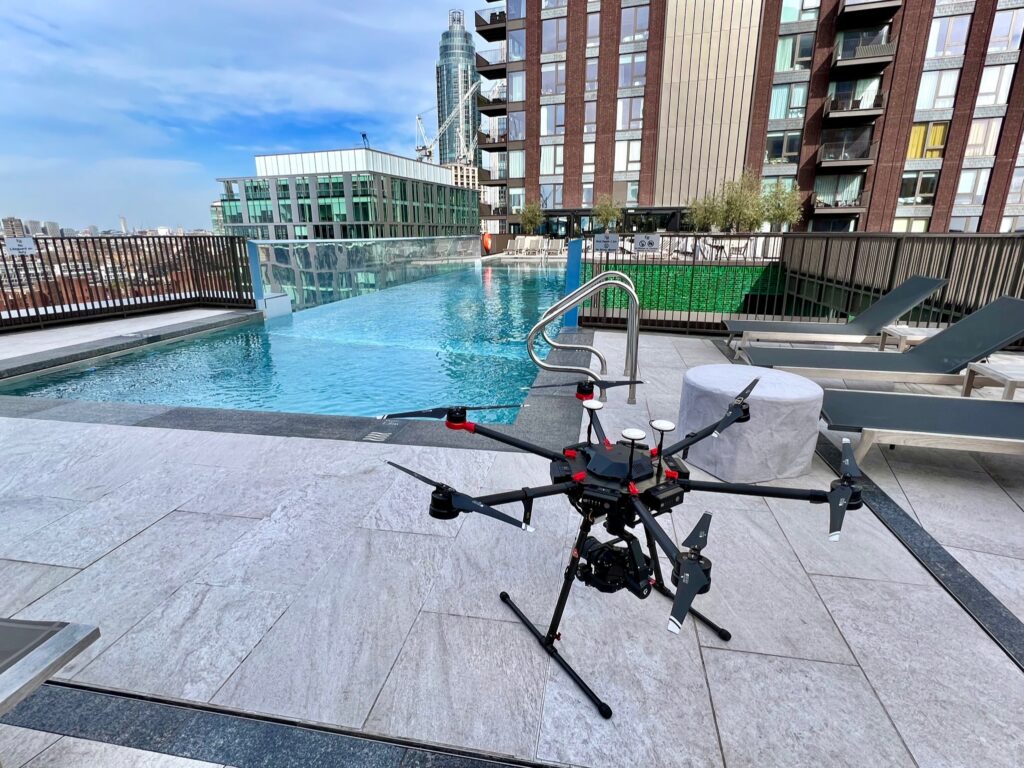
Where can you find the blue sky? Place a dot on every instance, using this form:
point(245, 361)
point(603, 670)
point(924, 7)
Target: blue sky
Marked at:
point(110, 107)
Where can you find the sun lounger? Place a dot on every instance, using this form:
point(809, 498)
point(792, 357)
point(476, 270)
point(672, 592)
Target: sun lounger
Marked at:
point(992, 426)
point(864, 327)
point(939, 360)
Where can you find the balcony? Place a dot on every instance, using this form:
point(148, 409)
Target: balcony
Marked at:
point(492, 63)
point(834, 206)
point(841, 154)
point(494, 102)
point(865, 13)
point(865, 57)
point(490, 24)
point(492, 141)
point(851, 108)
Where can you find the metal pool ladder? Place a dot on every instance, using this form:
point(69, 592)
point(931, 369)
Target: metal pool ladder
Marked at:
point(609, 279)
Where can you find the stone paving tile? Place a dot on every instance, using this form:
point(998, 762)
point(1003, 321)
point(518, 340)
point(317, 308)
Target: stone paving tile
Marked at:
point(816, 714)
point(190, 644)
point(23, 583)
point(1002, 576)
point(326, 659)
point(19, 745)
point(78, 753)
point(120, 589)
point(955, 698)
point(442, 687)
point(20, 517)
point(1008, 471)
point(92, 412)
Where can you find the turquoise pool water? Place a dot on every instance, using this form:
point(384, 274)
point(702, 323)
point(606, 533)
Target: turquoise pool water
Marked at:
point(454, 338)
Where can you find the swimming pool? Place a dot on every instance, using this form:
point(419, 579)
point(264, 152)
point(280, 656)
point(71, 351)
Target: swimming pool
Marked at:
point(453, 338)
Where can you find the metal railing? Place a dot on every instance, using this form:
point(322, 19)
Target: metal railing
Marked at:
point(73, 278)
point(865, 51)
point(486, 17)
point(853, 104)
point(847, 152)
point(594, 286)
point(693, 283)
point(834, 203)
point(491, 57)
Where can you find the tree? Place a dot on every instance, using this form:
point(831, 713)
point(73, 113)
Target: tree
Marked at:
point(741, 204)
point(706, 213)
point(531, 217)
point(607, 213)
point(782, 206)
point(744, 205)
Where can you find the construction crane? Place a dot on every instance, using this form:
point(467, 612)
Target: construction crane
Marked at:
point(425, 148)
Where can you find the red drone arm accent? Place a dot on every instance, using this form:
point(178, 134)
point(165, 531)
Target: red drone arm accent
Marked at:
point(569, 453)
point(607, 443)
point(633, 490)
point(469, 426)
point(671, 474)
point(654, 451)
point(579, 477)
point(584, 397)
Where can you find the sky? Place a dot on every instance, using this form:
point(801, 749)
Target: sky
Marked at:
point(112, 108)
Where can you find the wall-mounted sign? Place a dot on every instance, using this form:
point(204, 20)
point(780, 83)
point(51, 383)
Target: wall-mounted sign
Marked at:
point(647, 243)
point(20, 246)
point(606, 243)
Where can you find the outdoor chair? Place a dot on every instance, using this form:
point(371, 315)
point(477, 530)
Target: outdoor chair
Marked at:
point(929, 421)
point(865, 327)
point(939, 360)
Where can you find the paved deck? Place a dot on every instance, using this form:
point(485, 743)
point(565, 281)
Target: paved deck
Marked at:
point(315, 587)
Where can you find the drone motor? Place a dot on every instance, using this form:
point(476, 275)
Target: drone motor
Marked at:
point(705, 566)
point(441, 506)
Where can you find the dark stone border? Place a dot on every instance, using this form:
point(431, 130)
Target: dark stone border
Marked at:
point(40, 361)
point(211, 734)
point(550, 417)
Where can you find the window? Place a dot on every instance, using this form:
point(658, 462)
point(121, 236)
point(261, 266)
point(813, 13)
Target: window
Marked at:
point(771, 182)
point(593, 33)
point(841, 190)
point(552, 119)
point(553, 35)
point(984, 135)
point(927, 140)
point(516, 199)
point(588, 157)
point(284, 211)
point(550, 196)
point(626, 191)
point(971, 188)
point(545, 4)
point(995, 85)
point(938, 89)
point(516, 9)
point(788, 101)
point(590, 78)
point(280, 232)
point(910, 224)
point(782, 147)
point(794, 52)
point(1012, 224)
point(964, 223)
point(833, 224)
point(516, 164)
point(630, 114)
point(552, 78)
point(632, 70)
point(846, 143)
point(627, 155)
point(587, 198)
point(516, 122)
point(948, 36)
point(590, 117)
point(1007, 27)
point(635, 24)
point(918, 187)
point(856, 94)
point(517, 86)
point(1016, 196)
point(517, 45)
point(799, 10)
point(551, 160)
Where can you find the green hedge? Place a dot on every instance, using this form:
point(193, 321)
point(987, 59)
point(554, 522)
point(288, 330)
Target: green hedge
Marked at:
point(680, 287)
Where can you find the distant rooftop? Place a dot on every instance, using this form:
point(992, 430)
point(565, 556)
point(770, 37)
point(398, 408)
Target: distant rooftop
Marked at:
point(358, 160)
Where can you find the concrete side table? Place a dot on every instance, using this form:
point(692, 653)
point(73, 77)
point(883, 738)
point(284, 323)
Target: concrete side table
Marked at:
point(780, 437)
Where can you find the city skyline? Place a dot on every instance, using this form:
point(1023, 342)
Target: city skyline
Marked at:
point(192, 92)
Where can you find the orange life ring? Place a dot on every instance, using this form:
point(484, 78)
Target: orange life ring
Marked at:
point(485, 241)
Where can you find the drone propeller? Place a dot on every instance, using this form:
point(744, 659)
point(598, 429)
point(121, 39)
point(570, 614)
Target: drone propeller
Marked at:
point(843, 491)
point(736, 411)
point(442, 412)
point(463, 502)
point(689, 574)
point(599, 383)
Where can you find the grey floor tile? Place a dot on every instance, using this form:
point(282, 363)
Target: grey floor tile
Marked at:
point(466, 682)
point(190, 644)
point(652, 679)
point(244, 493)
point(119, 590)
point(23, 583)
point(1008, 471)
point(784, 616)
point(101, 413)
point(78, 753)
point(955, 698)
point(215, 420)
point(1002, 576)
point(326, 659)
point(815, 714)
point(20, 745)
point(12, 406)
point(19, 517)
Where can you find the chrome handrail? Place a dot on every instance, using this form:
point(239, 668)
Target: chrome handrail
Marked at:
point(609, 279)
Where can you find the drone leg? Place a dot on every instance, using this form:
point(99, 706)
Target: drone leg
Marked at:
point(548, 641)
point(660, 586)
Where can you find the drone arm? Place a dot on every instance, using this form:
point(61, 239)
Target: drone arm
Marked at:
point(525, 494)
point(660, 534)
point(598, 429)
point(692, 438)
point(746, 489)
point(515, 442)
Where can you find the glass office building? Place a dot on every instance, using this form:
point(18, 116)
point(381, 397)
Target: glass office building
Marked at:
point(456, 73)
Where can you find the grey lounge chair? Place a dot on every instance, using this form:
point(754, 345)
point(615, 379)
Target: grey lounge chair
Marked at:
point(994, 426)
point(864, 327)
point(938, 360)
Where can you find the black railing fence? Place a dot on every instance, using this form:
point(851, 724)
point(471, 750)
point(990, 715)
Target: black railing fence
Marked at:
point(71, 278)
point(694, 283)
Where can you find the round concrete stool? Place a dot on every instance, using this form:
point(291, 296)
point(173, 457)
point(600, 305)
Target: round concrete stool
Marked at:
point(780, 437)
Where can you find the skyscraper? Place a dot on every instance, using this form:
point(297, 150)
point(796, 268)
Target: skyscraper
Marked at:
point(13, 227)
point(456, 74)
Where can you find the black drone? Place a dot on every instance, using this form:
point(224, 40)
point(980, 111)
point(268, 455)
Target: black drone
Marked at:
point(625, 483)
